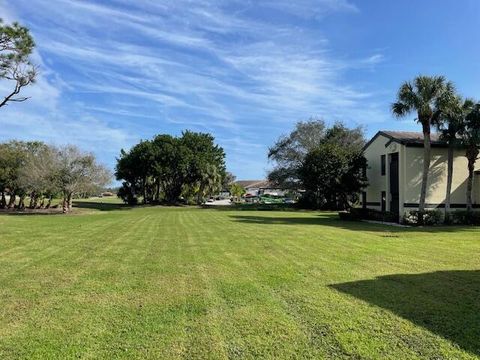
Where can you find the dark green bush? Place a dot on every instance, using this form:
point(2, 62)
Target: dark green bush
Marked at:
point(348, 216)
point(127, 196)
point(465, 217)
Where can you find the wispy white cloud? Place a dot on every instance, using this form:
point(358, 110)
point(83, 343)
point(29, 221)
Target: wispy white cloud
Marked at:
point(130, 69)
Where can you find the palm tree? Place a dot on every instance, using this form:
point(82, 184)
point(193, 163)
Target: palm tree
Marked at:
point(421, 95)
point(471, 140)
point(210, 182)
point(451, 122)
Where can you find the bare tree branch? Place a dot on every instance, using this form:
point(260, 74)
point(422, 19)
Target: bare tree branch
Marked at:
point(16, 45)
point(23, 75)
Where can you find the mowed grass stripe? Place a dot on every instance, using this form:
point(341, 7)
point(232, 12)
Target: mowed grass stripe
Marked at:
point(56, 279)
point(159, 282)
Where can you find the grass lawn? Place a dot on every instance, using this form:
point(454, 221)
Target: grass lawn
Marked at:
point(189, 283)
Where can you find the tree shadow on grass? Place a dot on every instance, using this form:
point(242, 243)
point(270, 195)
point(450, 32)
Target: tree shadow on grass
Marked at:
point(28, 212)
point(93, 205)
point(333, 220)
point(97, 205)
point(446, 303)
point(253, 207)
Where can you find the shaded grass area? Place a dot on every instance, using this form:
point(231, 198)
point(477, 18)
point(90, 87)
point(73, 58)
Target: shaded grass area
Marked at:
point(444, 302)
point(101, 204)
point(164, 282)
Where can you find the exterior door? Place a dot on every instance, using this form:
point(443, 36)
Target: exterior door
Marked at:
point(394, 184)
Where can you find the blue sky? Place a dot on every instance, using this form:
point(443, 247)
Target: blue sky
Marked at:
point(114, 72)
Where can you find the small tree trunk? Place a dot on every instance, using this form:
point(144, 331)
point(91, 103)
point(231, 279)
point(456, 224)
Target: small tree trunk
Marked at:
point(11, 202)
point(3, 201)
point(426, 168)
point(35, 202)
point(42, 203)
point(64, 203)
point(144, 186)
point(32, 199)
point(157, 191)
point(49, 203)
point(69, 202)
point(21, 202)
point(449, 181)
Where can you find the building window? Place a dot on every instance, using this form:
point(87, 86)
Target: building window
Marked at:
point(383, 164)
point(384, 201)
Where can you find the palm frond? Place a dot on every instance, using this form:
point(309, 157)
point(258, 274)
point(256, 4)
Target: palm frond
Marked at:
point(407, 94)
point(430, 87)
point(400, 109)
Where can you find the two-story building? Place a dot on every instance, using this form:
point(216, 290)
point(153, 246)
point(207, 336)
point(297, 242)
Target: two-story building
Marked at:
point(395, 168)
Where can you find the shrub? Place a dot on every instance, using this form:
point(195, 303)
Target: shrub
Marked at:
point(126, 195)
point(348, 216)
point(465, 217)
point(430, 217)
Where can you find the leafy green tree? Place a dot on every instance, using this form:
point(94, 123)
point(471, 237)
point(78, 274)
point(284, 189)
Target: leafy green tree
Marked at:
point(11, 159)
point(289, 151)
point(210, 183)
point(171, 167)
point(340, 134)
point(16, 46)
point(451, 123)
point(332, 176)
point(13, 155)
point(471, 140)
point(422, 95)
point(237, 191)
point(206, 163)
point(167, 166)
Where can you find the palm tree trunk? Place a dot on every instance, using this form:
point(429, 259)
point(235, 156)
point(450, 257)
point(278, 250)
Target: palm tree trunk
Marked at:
point(426, 167)
point(449, 180)
point(472, 154)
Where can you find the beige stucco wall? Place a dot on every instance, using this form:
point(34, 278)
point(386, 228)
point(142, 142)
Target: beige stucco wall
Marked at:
point(437, 180)
point(376, 182)
point(410, 175)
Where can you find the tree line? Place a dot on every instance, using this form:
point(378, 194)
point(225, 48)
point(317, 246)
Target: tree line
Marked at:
point(326, 163)
point(438, 105)
point(40, 172)
point(170, 169)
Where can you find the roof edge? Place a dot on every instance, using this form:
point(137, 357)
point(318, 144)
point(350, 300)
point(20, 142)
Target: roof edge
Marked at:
point(381, 133)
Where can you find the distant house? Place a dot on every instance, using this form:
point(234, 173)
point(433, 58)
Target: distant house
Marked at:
point(260, 187)
point(395, 168)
